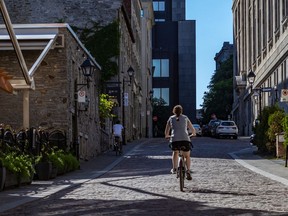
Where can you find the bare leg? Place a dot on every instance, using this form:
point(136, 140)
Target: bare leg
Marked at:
point(175, 159)
point(187, 159)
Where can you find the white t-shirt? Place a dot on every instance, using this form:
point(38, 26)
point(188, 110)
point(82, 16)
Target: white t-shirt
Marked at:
point(117, 129)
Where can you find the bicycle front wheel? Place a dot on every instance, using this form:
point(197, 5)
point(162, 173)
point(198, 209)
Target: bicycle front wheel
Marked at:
point(181, 175)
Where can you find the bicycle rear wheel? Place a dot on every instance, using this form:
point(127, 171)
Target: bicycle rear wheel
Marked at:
point(181, 175)
point(116, 149)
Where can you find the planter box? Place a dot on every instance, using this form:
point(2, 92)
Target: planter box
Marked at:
point(43, 170)
point(12, 180)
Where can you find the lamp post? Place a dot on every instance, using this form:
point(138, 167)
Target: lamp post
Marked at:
point(87, 69)
point(276, 93)
point(251, 78)
point(130, 72)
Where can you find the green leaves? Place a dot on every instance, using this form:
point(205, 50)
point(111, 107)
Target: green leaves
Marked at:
point(105, 106)
point(219, 98)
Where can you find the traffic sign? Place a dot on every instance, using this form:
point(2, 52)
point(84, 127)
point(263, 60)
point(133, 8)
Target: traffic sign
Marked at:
point(284, 95)
point(81, 96)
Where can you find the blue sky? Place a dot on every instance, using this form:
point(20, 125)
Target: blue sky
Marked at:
point(214, 26)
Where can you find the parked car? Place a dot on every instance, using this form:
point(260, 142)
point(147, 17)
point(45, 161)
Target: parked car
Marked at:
point(205, 130)
point(227, 128)
point(198, 129)
point(212, 125)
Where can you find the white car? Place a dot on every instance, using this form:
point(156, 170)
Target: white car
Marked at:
point(198, 129)
point(227, 128)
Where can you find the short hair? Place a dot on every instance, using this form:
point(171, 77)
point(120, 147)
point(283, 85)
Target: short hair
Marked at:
point(118, 122)
point(177, 110)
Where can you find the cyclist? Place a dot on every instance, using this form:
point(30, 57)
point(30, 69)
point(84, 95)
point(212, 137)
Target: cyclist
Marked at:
point(117, 132)
point(179, 124)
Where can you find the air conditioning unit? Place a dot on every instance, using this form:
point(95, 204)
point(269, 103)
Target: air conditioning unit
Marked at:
point(59, 43)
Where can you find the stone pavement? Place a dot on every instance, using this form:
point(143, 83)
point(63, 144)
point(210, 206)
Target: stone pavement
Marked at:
point(100, 165)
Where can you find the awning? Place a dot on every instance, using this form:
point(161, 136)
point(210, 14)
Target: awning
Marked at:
point(30, 37)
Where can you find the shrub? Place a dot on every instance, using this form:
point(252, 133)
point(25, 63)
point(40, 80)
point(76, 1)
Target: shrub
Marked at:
point(263, 140)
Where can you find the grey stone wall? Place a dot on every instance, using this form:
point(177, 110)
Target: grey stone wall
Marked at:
point(75, 12)
point(52, 103)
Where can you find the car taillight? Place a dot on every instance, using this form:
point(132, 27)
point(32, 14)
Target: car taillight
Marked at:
point(220, 127)
point(234, 128)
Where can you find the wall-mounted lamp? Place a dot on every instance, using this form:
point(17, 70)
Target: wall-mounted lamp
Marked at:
point(151, 92)
point(130, 72)
point(87, 69)
point(251, 78)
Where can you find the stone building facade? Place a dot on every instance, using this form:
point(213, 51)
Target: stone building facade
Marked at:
point(84, 13)
point(58, 78)
point(260, 40)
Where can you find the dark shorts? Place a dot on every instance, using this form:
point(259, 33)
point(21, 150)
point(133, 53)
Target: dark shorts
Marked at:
point(176, 145)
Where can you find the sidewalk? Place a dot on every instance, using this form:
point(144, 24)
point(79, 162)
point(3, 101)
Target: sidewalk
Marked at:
point(273, 169)
point(88, 170)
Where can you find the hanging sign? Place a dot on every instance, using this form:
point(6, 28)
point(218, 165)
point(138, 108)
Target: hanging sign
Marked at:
point(284, 95)
point(81, 96)
point(125, 99)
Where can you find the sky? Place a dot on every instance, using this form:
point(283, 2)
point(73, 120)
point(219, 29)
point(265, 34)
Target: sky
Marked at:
point(214, 26)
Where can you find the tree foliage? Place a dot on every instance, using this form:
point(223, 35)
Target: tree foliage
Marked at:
point(161, 111)
point(105, 106)
point(219, 99)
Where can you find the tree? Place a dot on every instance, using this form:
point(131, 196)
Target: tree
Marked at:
point(105, 107)
point(219, 98)
point(161, 110)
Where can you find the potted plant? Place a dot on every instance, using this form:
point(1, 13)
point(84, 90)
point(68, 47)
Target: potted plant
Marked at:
point(57, 163)
point(19, 168)
point(43, 167)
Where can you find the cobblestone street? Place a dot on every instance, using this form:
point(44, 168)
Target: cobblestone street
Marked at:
point(141, 184)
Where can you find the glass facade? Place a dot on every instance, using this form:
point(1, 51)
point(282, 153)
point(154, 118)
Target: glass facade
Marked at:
point(162, 93)
point(161, 67)
point(159, 5)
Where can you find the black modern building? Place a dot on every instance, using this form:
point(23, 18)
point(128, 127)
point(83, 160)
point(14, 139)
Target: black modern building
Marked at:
point(174, 56)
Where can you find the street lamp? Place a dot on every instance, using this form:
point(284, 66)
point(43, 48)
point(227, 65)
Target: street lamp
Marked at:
point(276, 93)
point(130, 72)
point(87, 69)
point(151, 92)
point(251, 78)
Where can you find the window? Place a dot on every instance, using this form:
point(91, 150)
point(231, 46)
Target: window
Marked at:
point(159, 20)
point(162, 93)
point(159, 5)
point(161, 67)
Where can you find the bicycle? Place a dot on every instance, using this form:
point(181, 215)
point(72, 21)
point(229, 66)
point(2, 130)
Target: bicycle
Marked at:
point(117, 145)
point(182, 168)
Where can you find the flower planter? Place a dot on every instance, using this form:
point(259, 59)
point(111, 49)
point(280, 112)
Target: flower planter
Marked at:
point(43, 170)
point(54, 172)
point(12, 180)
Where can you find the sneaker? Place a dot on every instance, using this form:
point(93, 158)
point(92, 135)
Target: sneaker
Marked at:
point(173, 171)
point(188, 175)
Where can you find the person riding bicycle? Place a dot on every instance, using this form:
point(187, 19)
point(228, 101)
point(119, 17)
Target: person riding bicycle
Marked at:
point(117, 132)
point(179, 124)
